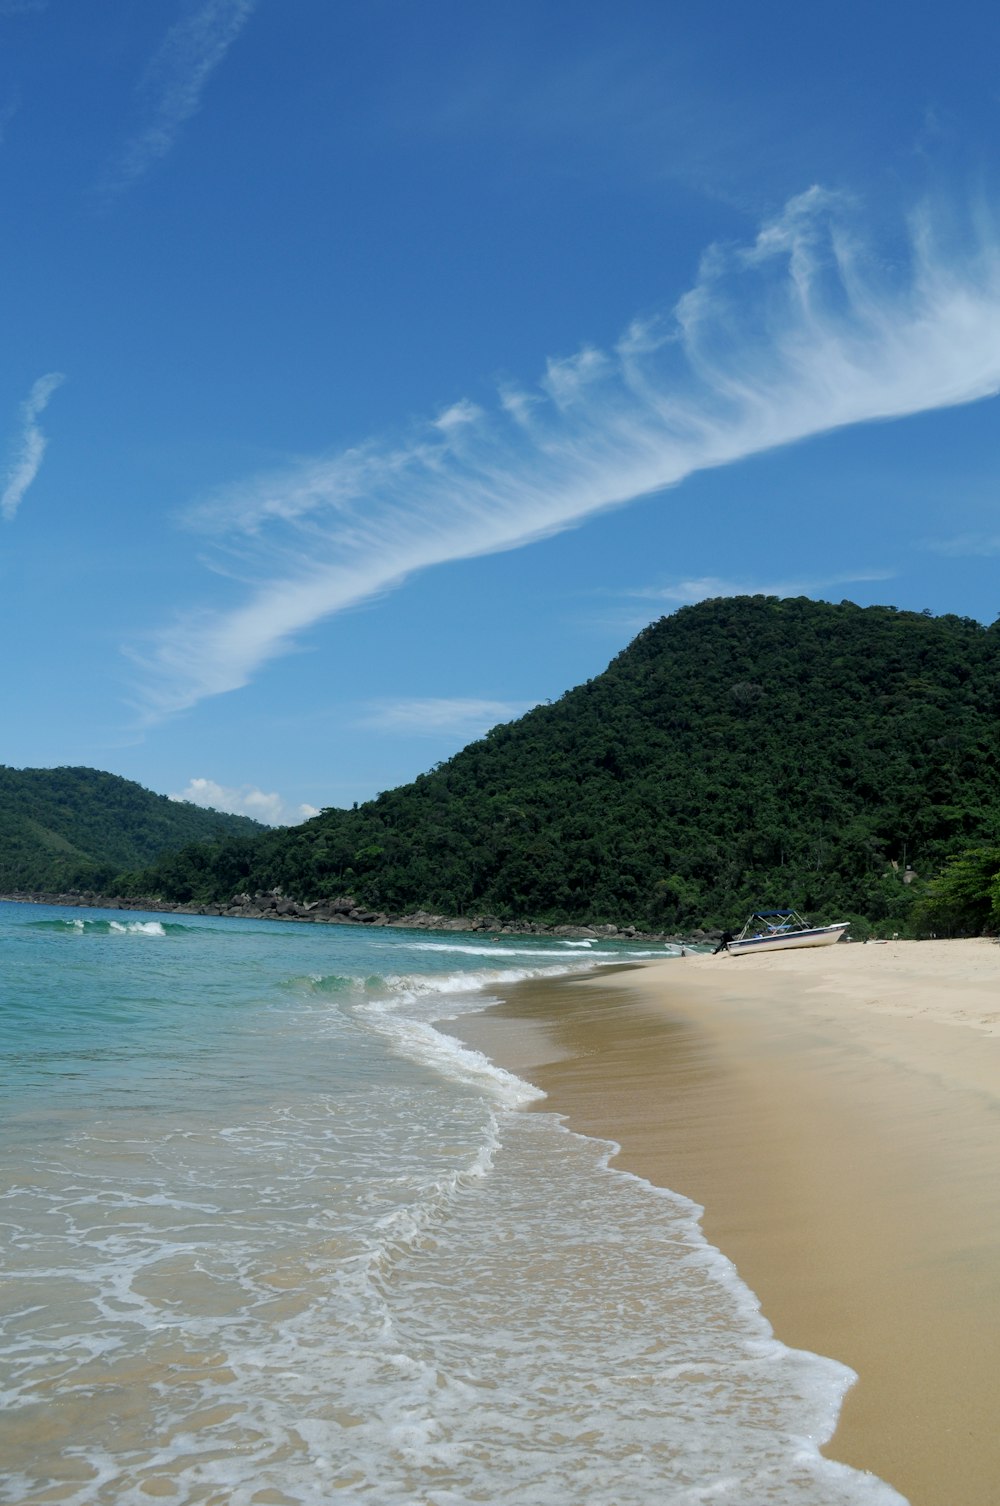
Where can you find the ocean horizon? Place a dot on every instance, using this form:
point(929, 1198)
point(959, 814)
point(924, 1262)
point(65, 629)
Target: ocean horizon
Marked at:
point(274, 1239)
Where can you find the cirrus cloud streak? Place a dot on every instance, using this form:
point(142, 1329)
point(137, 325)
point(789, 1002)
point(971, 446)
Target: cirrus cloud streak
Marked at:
point(434, 716)
point(803, 331)
point(174, 82)
point(30, 447)
point(685, 592)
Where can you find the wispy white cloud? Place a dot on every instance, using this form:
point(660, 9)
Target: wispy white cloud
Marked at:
point(174, 82)
point(29, 448)
point(437, 715)
point(684, 592)
point(966, 545)
point(802, 332)
point(246, 800)
point(643, 604)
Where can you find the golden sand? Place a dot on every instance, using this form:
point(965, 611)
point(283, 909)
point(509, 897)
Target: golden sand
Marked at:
point(837, 1114)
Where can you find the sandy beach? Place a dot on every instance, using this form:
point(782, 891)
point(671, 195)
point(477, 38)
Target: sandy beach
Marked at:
point(837, 1114)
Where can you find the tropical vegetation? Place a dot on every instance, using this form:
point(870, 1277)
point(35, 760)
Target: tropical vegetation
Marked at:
point(76, 829)
point(740, 752)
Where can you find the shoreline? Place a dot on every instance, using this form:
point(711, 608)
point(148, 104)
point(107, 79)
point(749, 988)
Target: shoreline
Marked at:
point(836, 1112)
point(343, 910)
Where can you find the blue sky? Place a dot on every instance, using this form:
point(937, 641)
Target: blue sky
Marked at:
point(374, 371)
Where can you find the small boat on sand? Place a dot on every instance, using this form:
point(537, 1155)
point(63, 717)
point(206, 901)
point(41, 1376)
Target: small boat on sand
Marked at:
point(778, 930)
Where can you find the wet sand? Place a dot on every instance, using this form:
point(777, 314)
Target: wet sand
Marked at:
point(837, 1114)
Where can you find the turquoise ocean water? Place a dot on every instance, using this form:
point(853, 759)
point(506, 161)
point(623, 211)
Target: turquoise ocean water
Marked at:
point(272, 1239)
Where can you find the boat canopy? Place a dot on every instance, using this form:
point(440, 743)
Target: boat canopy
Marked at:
point(773, 921)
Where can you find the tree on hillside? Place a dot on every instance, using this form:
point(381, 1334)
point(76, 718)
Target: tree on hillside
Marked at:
point(965, 899)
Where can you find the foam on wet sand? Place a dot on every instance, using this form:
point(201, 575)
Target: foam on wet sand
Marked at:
point(837, 1114)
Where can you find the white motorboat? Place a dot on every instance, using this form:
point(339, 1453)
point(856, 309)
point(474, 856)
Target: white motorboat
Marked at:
point(778, 930)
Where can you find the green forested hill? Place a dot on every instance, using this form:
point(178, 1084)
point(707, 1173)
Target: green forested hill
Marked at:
point(744, 751)
point(73, 828)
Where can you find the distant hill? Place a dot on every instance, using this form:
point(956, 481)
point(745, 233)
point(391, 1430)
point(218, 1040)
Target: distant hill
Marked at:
point(72, 828)
point(741, 752)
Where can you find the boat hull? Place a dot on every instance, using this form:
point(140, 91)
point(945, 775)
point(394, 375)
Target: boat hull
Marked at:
point(815, 936)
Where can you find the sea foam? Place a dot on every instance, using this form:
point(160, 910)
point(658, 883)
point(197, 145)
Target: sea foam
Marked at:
point(272, 1234)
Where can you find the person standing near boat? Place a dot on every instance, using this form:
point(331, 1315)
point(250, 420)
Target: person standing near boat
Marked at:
point(727, 937)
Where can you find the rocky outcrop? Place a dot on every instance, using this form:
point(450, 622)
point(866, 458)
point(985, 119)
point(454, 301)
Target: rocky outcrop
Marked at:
point(343, 909)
